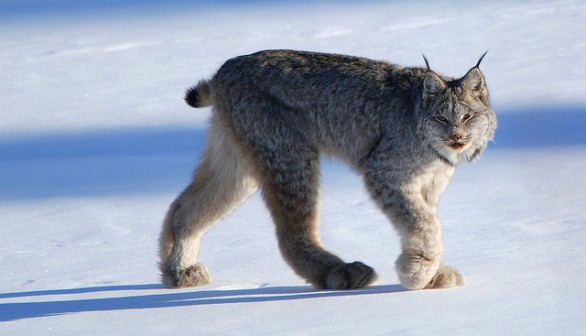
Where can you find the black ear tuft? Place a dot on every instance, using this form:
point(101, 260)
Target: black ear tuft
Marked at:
point(480, 60)
point(426, 62)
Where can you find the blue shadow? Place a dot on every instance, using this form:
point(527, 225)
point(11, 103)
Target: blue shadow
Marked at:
point(70, 6)
point(42, 8)
point(98, 163)
point(25, 310)
point(541, 127)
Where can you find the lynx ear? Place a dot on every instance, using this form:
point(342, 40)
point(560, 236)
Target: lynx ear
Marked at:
point(474, 83)
point(433, 85)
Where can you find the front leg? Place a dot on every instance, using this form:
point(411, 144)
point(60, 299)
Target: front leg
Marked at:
point(415, 218)
point(421, 242)
point(420, 263)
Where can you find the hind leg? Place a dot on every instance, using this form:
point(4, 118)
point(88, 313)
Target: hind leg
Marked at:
point(222, 181)
point(291, 191)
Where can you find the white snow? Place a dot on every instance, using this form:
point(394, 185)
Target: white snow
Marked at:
point(95, 142)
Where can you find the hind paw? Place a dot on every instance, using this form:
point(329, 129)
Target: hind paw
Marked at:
point(350, 276)
point(194, 275)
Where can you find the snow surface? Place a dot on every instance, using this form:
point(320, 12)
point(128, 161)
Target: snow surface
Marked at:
point(95, 142)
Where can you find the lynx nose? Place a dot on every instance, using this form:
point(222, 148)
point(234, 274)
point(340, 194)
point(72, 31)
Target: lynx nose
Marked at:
point(456, 137)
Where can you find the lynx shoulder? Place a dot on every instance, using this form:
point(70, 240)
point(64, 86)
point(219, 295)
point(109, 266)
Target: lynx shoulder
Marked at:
point(274, 113)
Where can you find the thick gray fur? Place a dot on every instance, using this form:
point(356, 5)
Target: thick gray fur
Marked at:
point(404, 130)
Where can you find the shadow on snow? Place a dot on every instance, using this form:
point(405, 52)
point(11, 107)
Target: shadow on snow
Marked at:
point(144, 160)
point(43, 8)
point(115, 162)
point(25, 310)
point(546, 127)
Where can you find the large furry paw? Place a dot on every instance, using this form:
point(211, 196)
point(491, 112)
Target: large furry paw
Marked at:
point(350, 276)
point(446, 277)
point(415, 271)
point(194, 275)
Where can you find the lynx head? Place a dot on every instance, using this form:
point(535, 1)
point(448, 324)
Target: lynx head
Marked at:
point(457, 121)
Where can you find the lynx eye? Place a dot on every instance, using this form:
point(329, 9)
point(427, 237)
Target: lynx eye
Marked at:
point(467, 117)
point(441, 119)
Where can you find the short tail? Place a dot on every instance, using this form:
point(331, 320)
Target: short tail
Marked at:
point(199, 95)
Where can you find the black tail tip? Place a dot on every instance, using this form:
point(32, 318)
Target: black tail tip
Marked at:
point(192, 97)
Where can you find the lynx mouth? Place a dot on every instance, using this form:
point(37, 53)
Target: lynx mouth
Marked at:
point(458, 146)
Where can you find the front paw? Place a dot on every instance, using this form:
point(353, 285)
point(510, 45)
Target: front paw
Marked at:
point(350, 276)
point(446, 277)
point(415, 271)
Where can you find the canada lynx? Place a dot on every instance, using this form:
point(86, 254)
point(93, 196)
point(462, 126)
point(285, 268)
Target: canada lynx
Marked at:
point(274, 113)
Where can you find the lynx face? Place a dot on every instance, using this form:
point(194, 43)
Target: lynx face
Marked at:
point(459, 121)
